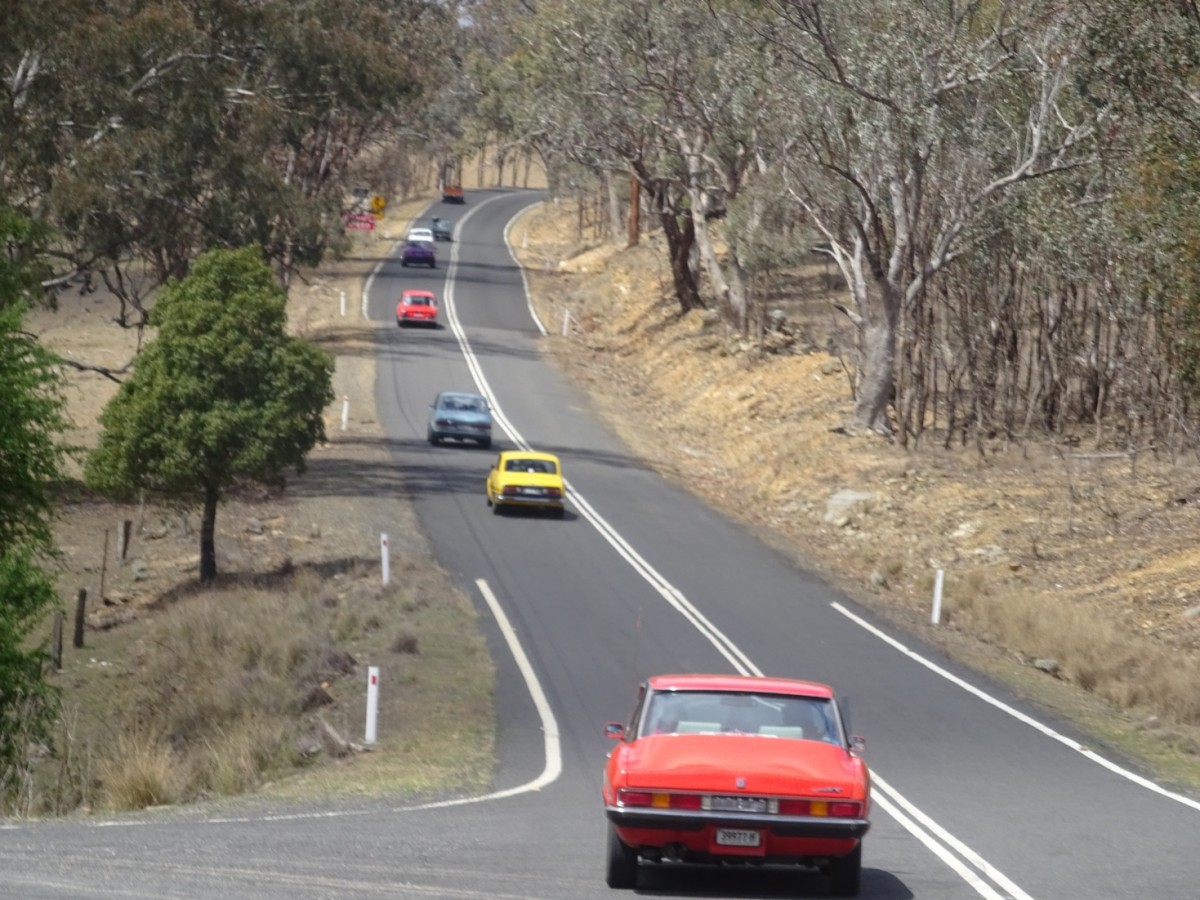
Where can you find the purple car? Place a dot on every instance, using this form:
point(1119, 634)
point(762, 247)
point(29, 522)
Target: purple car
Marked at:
point(418, 253)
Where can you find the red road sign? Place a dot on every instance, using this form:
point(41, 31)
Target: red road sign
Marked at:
point(359, 221)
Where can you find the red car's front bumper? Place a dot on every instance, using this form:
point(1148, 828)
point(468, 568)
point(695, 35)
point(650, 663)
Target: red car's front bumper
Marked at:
point(782, 838)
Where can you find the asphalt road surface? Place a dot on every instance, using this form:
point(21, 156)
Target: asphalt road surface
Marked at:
point(976, 795)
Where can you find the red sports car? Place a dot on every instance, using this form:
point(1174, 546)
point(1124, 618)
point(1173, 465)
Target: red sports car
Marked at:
point(738, 769)
point(417, 306)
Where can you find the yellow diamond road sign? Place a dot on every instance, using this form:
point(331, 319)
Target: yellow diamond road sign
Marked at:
point(378, 204)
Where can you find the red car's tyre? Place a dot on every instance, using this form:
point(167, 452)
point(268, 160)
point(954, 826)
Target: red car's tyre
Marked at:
point(621, 868)
point(845, 874)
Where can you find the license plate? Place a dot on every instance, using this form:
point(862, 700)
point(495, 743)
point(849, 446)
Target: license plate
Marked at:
point(531, 492)
point(740, 804)
point(738, 837)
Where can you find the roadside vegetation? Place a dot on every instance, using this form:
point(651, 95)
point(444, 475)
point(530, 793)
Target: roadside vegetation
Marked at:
point(1068, 575)
point(997, 202)
point(225, 690)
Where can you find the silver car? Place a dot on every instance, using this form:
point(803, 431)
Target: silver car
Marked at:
point(460, 416)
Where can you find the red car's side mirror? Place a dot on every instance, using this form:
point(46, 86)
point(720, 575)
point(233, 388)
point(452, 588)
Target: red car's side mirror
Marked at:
point(858, 744)
point(614, 730)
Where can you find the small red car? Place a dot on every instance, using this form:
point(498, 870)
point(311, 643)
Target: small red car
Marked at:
point(736, 769)
point(417, 307)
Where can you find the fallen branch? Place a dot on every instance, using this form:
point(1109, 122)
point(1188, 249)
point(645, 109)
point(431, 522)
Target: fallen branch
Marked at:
point(341, 746)
point(110, 374)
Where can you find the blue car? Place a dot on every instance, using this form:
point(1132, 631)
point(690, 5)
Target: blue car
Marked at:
point(460, 416)
point(418, 253)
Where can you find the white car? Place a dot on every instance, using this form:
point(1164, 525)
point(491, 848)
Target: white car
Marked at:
point(421, 234)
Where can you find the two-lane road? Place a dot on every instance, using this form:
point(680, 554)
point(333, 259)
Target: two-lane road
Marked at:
point(977, 795)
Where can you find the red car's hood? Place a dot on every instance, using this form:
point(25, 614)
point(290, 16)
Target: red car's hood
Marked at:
point(770, 766)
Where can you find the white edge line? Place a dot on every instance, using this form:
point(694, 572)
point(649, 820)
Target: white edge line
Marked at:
point(1016, 713)
point(520, 268)
point(966, 852)
point(981, 887)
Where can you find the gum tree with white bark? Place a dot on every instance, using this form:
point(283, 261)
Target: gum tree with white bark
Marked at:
point(912, 120)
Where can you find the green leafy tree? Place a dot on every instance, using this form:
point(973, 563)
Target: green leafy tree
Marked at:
point(222, 394)
point(31, 457)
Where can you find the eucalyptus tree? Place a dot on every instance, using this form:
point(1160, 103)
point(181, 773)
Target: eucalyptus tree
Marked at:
point(31, 457)
point(149, 132)
point(649, 87)
point(913, 120)
point(584, 73)
point(220, 395)
point(1145, 60)
point(32, 454)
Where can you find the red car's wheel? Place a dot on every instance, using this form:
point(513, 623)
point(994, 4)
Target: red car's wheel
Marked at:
point(622, 865)
point(845, 874)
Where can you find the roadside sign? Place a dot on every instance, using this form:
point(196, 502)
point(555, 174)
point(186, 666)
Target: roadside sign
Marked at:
point(359, 221)
point(378, 205)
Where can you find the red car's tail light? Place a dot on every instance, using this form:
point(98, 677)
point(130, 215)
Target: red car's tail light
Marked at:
point(657, 800)
point(634, 798)
point(837, 809)
point(793, 807)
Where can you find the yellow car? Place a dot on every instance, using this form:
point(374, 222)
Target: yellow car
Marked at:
point(526, 478)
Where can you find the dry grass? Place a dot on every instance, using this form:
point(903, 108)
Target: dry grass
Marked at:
point(231, 689)
point(141, 772)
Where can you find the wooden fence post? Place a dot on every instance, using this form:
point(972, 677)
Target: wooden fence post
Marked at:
point(124, 532)
point(80, 613)
point(56, 639)
point(103, 566)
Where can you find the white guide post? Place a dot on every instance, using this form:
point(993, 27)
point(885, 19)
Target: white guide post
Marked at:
point(372, 702)
point(385, 559)
point(566, 321)
point(345, 411)
point(342, 305)
point(938, 581)
point(364, 305)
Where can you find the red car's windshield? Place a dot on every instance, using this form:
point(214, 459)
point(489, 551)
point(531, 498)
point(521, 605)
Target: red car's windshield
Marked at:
point(769, 715)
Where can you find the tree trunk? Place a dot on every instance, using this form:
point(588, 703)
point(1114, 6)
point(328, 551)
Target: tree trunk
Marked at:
point(635, 212)
point(615, 224)
point(878, 384)
point(679, 244)
point(739, 294)
point(208, 525)
point(708, 256)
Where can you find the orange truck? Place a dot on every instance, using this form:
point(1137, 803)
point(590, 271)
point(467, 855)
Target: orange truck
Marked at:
point(452, 193)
